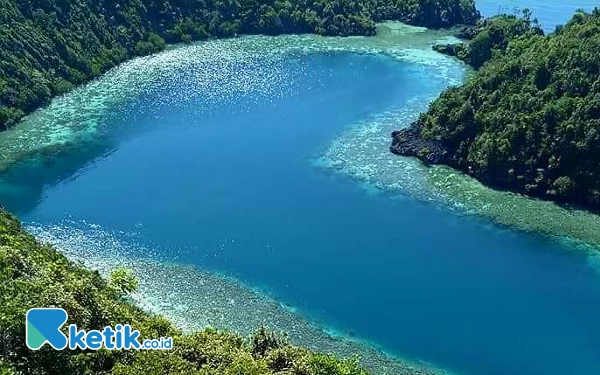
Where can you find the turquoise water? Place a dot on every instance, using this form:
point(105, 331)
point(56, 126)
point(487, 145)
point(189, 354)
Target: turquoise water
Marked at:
point(214, 159)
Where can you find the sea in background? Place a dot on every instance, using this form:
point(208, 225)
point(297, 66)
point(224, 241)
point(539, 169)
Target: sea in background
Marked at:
point(247, 182)
point(550, 13)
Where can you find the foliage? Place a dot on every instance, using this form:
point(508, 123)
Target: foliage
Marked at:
point(50, 46)
point(491, 36)
point(122, 281)
point(529, 119)
point(36, 275)
point(264, 341)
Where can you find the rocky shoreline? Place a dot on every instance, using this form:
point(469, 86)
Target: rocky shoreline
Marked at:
point(408, 142)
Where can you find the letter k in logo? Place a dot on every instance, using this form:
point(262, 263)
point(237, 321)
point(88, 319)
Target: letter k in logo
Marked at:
point(43, 326)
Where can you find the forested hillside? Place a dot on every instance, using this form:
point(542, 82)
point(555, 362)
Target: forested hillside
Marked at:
point(49, 46)
point(529, 120)
point(35, 275)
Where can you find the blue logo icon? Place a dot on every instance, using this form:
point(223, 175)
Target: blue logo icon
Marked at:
point(43, 326)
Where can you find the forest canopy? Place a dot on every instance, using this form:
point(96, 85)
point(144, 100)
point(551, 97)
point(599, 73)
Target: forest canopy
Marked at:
point(50, 46)
point(528, 120)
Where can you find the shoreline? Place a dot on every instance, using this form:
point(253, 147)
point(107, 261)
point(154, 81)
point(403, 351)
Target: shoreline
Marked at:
point(60, 130)
point(475, 133)
point(187, 295)
point(174, 290)
point(151, 33)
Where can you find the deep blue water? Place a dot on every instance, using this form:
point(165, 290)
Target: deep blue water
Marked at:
point(230, 187)
point(235, 192)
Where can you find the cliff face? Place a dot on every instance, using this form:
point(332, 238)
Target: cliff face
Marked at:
point(529, 119)
point(50, 46)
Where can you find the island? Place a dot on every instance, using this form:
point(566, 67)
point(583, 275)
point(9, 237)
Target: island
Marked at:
point(528, 120)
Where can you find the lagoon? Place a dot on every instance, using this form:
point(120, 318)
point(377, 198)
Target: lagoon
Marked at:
point(239, 157)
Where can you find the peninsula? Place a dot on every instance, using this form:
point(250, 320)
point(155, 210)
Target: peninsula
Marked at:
point(529, 119)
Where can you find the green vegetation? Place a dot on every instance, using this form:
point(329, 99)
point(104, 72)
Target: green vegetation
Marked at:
point(50, 46)
point(529, 119)
point(36, 275)
point(491, 36)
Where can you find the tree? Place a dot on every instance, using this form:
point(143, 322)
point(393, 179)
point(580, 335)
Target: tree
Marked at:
point(529, 119)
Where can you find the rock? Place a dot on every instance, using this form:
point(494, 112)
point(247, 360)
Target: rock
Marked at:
point(408, 142)
point(446, 49)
